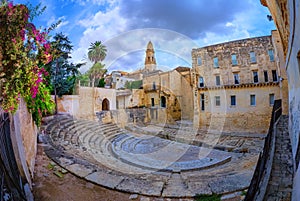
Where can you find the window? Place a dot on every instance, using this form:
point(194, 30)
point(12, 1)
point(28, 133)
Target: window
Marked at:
point(255, 76)
point(236, 78)
point(271, 54)
point(153, 86)
point(233, 100)
point(252, 57)
point(202, 102)
point(218, 100)
point(266, 76)
point(274, 76)
point(271, 99)
point(218, 81)
point(152, 102)
point(163, 101)
point(201, 82)
point(252, 100)
point(199, 61)
point(233, 60)
point(216, 62)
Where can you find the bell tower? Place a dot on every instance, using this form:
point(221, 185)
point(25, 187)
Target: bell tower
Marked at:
point(150, 62)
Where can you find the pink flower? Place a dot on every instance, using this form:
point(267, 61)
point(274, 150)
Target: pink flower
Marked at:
point(14, 40)
point(22, 34)
point(10, 5)
point(47, 47)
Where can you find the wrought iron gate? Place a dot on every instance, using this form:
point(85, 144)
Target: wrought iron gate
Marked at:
point(11, 185)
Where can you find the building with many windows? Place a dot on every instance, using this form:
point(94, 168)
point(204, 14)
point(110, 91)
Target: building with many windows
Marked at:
point(236, 83)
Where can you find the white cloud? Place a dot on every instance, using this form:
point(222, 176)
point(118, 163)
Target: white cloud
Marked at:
point(99, 27)
point(63, 20)
point(229, 24)
point(95, 2)
point(126, 48)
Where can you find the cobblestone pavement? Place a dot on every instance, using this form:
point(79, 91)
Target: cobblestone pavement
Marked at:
point(281, 179)
point(149, 165)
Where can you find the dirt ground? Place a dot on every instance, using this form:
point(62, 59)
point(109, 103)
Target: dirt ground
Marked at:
point(67, 187)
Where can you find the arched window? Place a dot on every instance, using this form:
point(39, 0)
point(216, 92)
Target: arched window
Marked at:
point(105, 104)
point(163, 101)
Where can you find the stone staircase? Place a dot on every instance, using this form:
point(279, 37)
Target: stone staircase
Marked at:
point(281, 178)
point(116, 158)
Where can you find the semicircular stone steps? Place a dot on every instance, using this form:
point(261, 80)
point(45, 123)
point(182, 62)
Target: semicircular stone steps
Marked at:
point(137, 163)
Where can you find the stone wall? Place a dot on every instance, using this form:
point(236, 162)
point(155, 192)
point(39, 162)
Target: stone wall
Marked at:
point(280, 60)
point(122, 117)
point(136, 99)
point(280, 14)
point(24, 139)
point(68, 104)
point(87, 102)
point(177, 90)
point(242, 116)
point(286, 17)
point(293, 70)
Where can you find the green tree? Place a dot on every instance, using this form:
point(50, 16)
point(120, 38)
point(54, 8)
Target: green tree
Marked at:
point(97, 52)
point(96, 73)
point(84, 79)
point(101, 82)
point(62, 73)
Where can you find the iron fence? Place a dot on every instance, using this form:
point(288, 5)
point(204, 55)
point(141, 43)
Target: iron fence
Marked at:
point(261, 166)
point(11, 184)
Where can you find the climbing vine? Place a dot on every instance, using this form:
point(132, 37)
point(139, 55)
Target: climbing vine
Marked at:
point(24, 51)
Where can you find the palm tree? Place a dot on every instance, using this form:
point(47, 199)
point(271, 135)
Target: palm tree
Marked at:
point(97, 52)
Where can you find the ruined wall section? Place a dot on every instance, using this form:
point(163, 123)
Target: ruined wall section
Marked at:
point(176, 88)
point(24, 141)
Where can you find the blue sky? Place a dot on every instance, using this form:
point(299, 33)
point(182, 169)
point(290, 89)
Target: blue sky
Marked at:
point(173, 26)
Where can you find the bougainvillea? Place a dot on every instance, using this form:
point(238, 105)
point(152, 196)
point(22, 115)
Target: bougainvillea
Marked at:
point(24, 51)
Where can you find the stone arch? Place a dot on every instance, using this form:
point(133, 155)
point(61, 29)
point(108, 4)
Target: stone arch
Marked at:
point(105, 104)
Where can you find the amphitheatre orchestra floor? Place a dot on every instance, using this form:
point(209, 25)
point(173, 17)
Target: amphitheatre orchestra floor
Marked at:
point(154, 160)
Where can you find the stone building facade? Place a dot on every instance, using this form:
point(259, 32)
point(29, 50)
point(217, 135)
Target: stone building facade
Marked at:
point(235, 85)
point(286, 16)
point(169, 95)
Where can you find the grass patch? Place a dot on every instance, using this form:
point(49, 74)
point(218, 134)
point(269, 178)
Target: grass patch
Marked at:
point(213, 197)
point(244, 193)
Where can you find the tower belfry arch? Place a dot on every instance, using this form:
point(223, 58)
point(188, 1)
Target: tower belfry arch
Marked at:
point(150, 61)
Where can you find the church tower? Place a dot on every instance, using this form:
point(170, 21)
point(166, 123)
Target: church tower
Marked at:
point(150, 62)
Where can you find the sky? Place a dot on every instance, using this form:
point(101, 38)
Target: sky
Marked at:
point(174, 27)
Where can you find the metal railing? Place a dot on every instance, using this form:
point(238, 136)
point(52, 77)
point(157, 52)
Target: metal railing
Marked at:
point(11, 186)
point(261, 167)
